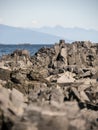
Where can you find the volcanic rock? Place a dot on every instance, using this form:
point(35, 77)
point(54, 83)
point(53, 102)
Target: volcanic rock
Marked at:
point(55, 89)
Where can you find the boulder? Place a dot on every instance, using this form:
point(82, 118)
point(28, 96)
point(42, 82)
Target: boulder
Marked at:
point(17, 97)
point(38, 76)
point(55, 89)
point(18, 100)
point(57, 49)
point(66, 77)
point(4, 74)
point(25, 53)
point(95, 76)
point(17, 77)
point(86, 75)
point(57, 96)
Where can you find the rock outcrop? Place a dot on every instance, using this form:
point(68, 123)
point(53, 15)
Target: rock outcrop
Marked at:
point(56, 89)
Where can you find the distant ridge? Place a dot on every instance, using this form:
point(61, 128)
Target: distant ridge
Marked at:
point(73, 34)
point(45, 35)
point(16, 35)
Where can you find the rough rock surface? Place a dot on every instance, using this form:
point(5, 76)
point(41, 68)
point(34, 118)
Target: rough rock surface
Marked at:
point(56, 89)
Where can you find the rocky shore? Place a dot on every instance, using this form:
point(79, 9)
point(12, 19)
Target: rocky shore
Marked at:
point(56, 89)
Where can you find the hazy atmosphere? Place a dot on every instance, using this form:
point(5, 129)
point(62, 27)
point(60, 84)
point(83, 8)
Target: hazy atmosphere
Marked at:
point(38, 13)
point(48, 64)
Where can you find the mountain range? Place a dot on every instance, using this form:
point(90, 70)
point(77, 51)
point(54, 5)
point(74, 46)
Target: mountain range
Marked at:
point(73, 34)
point(16, 35)
point(45, 35)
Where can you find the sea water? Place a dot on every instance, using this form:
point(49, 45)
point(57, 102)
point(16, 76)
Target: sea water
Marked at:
point(8, 49)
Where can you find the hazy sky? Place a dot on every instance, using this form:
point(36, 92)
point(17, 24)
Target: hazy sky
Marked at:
point(37, 13)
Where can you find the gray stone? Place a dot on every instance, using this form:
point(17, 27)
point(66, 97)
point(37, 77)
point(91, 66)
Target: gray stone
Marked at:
point(63, 53)
point(17, 77)
point(57, 95)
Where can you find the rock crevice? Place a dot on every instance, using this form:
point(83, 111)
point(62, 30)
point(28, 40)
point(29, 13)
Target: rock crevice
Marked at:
point(55, 89)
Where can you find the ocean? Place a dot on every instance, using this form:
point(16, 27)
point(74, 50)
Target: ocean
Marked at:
point(7, 49)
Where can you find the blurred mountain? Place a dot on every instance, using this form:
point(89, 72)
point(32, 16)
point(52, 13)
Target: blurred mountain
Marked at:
point(45, 35)
point(16, 35)
point(73, 34)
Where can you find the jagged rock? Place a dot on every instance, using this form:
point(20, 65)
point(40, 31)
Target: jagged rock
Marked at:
point(4, 74)
point(84, 97)
point(4, 65)
point(54, 123)
point(96, 76)
point(46, 115)
point(17, 98)
point(56, 88)
point(76, 94)
point(78, 124)
point(86, 74)
point(17, 77)
point(72, 109)
point(24, 126)
point(57, 96)
point(67, 77)
point(25, 53)
point(62, 42)
point(57, 49)
point(37, 92)
point(38, 76)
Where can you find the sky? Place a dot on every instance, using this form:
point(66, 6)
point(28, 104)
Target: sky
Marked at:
point(38, 13)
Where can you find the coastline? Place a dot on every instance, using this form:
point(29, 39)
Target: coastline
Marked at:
point(57, 86)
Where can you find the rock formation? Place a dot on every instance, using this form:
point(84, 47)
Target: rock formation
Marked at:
point(56, 89)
